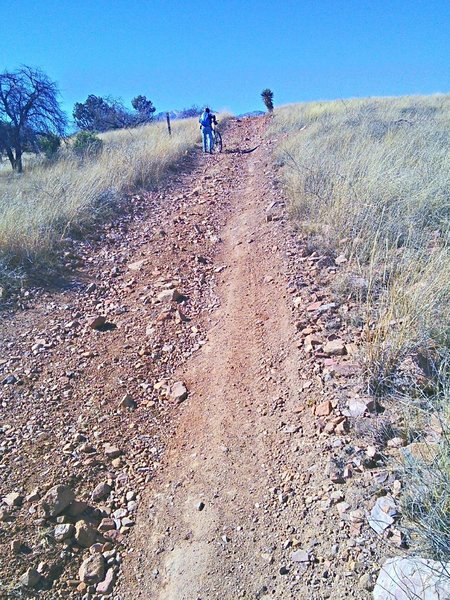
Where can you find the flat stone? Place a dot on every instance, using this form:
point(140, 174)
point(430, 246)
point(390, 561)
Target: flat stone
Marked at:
point(13, 499)
point(300, 556)
point(323, 409)
point(414, 577)
point(383, 514)
point(92, 569)
point(112, 451)
point(56, 500)
point(334, 348)
point(97, 322)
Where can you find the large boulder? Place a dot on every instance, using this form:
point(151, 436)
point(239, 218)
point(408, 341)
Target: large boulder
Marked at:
point(413, 577)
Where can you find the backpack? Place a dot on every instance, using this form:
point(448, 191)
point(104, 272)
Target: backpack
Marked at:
point(205, 119)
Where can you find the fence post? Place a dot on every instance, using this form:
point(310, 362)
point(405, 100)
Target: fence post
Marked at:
point(168, 123)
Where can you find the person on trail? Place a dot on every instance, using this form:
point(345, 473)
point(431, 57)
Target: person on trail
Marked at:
point(206, 120)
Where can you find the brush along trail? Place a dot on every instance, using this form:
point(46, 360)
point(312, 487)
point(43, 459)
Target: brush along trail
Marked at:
point(179, 391)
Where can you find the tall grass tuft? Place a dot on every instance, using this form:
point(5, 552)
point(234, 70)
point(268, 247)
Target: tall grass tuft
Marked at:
point(370, 179)
point(74, 192)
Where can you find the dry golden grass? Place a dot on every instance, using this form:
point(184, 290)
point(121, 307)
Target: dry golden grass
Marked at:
point(370, 179)
point(51, 198)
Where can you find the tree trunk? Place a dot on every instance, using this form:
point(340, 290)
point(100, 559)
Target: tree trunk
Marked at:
point(19, 167)
point(11, 158)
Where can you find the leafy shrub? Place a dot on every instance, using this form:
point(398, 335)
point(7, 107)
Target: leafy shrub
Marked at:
point(87, 143)
point(49, 144)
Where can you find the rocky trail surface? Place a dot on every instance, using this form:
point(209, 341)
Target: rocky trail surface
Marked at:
point(175, 424)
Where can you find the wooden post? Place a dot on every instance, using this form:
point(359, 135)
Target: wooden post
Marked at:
point(168, 123)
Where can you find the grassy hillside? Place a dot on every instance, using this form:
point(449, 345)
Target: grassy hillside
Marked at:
point(52, 198)
point(369, 183)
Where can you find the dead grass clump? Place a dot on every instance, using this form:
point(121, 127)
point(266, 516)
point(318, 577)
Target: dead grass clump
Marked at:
point(75, 193)
point(426, 471)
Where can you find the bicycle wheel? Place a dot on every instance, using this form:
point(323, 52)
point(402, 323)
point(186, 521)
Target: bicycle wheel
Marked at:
point(217, 142)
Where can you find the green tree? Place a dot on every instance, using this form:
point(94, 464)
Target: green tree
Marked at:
point(87, 143)
point(49, 144)
point(144, 108)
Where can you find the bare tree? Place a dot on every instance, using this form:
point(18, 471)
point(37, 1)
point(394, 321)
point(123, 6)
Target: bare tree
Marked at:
point(29, 107)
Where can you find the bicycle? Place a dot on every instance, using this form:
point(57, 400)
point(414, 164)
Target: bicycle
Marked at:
point(217, 137)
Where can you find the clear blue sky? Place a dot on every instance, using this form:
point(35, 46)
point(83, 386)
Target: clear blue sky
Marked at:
point(180, 53)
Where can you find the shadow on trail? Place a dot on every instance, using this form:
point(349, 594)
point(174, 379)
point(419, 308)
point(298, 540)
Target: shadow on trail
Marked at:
point(239, 151)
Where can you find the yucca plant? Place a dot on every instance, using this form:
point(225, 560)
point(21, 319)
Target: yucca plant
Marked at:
point(267, 96)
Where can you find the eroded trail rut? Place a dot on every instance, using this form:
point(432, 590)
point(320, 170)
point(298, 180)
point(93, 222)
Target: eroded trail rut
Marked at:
point(222, 454)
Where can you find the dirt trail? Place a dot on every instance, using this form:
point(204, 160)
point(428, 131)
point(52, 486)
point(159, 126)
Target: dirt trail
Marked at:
point(222, 452)
point(240, 490)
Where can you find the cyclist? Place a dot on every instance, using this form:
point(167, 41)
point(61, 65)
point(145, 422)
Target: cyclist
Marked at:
point(206, 121)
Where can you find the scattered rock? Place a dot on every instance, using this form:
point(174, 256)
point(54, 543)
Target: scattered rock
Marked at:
point(128, 402)
point(30, 578)
point(323, 409)
point(178, 392)
point(301, 556)
point(101, 491)
point(383, 514)
point(172, 295)
point(92, 569)
point(421, 451)
point(63, 532)
point(106, 524)
point(97, 322)
point(85, 535)
point(105, 587)
point(415, 577)
point(13, 499)
point(334, 348)
point(112, 451)
point(56, 500)
point(366, 582)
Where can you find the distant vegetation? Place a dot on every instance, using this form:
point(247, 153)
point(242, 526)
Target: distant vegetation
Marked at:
point(369, 181)
point(103, 114)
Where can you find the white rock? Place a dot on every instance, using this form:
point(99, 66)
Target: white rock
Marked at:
point(406, 578)
point(382, 514)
